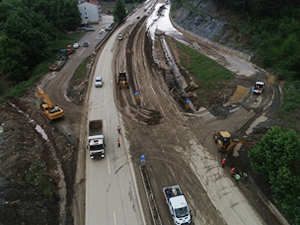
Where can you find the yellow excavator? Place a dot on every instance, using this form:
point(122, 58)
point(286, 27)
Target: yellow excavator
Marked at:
point(224, 142)
point(49, 111)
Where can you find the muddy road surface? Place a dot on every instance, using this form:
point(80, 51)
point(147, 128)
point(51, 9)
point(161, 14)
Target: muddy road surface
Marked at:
point(177, 141)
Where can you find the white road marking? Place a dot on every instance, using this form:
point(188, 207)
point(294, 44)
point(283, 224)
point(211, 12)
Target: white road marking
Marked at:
point(115, 219)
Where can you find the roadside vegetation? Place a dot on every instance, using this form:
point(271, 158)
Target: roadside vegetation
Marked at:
point(37, 176)
point(210, 76)
point(80, 73)
point(276, 158)
point(31, 36)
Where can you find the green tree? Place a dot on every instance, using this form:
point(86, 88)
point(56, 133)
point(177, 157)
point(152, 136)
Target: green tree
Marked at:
point(276, 149)
point(27, 29)
point(119, 11)
point(276, 157)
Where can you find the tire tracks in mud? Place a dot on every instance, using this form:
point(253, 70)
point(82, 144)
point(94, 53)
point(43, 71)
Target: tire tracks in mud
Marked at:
point(129, 105)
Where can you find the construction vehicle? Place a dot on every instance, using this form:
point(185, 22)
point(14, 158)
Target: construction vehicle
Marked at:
point(96, 143)
point(49, 111)
point(60, 61)
point(177, 204)
point(224, 142)
point(122, 80)
point(70, 49)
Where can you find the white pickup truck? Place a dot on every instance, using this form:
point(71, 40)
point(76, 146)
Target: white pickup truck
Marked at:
point(177, 205)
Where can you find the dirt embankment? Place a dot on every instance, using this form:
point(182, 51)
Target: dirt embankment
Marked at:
point(33, 152)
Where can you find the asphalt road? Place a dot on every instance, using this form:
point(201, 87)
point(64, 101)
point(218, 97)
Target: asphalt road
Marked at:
point(110, 183)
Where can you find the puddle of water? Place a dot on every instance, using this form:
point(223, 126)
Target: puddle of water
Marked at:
point(37, 127)
point(173, 66)
point(162, 23)
point(42, 132)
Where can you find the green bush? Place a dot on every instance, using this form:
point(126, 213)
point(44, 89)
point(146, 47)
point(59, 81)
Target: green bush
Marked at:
point(276, 157)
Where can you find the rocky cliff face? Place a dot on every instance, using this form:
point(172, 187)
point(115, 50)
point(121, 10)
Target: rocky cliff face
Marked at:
point(208, 20)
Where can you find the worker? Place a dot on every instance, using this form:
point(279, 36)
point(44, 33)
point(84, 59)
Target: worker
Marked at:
point(237, 178)
point(119, 129)
point(232, 171)
point(245, 176)
point(223, 162)
point(169, 193)
point(132, 52)
point(119, 142)
point(138, 88)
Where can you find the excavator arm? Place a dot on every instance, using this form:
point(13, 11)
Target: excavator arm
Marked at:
point(44, 96)
point(231, 145)
point(245, 142)
point(237, 141)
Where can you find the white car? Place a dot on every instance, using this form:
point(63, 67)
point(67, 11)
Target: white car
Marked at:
point(76, 45)
point(98, 82)
point(120, 37)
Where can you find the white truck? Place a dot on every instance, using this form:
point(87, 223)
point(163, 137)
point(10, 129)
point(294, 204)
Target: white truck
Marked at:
point(177, 205)
point(96, 143)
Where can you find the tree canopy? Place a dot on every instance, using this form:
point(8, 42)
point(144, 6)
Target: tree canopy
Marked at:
point(276, 157)
point(119, 11)
point(27, 29)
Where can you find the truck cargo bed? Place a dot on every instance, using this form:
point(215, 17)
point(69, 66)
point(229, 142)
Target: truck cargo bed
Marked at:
point(95, 127)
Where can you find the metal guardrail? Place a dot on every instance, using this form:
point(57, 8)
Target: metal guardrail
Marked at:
point(151, 200)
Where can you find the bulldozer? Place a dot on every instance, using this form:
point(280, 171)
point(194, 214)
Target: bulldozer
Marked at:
point(224, 142)
point(122, 80)
point(49, 111)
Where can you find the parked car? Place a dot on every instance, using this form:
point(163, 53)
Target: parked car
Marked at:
point(98, 82)
point(108, 29)
point(258, 87)
point(76, 45)
point(85, 44)
point(120, 37)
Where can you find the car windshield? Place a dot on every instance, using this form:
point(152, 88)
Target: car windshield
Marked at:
point(98, 79)
point(225, 141)
point(97, 147)
point(181, 212)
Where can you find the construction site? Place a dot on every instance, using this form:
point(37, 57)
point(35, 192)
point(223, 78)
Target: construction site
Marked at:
point(188, 139)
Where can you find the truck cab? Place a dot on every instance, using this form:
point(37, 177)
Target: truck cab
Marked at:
point(96, 146)
point(177, 205)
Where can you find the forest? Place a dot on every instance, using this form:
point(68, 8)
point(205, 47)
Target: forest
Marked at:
point(28, 30)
